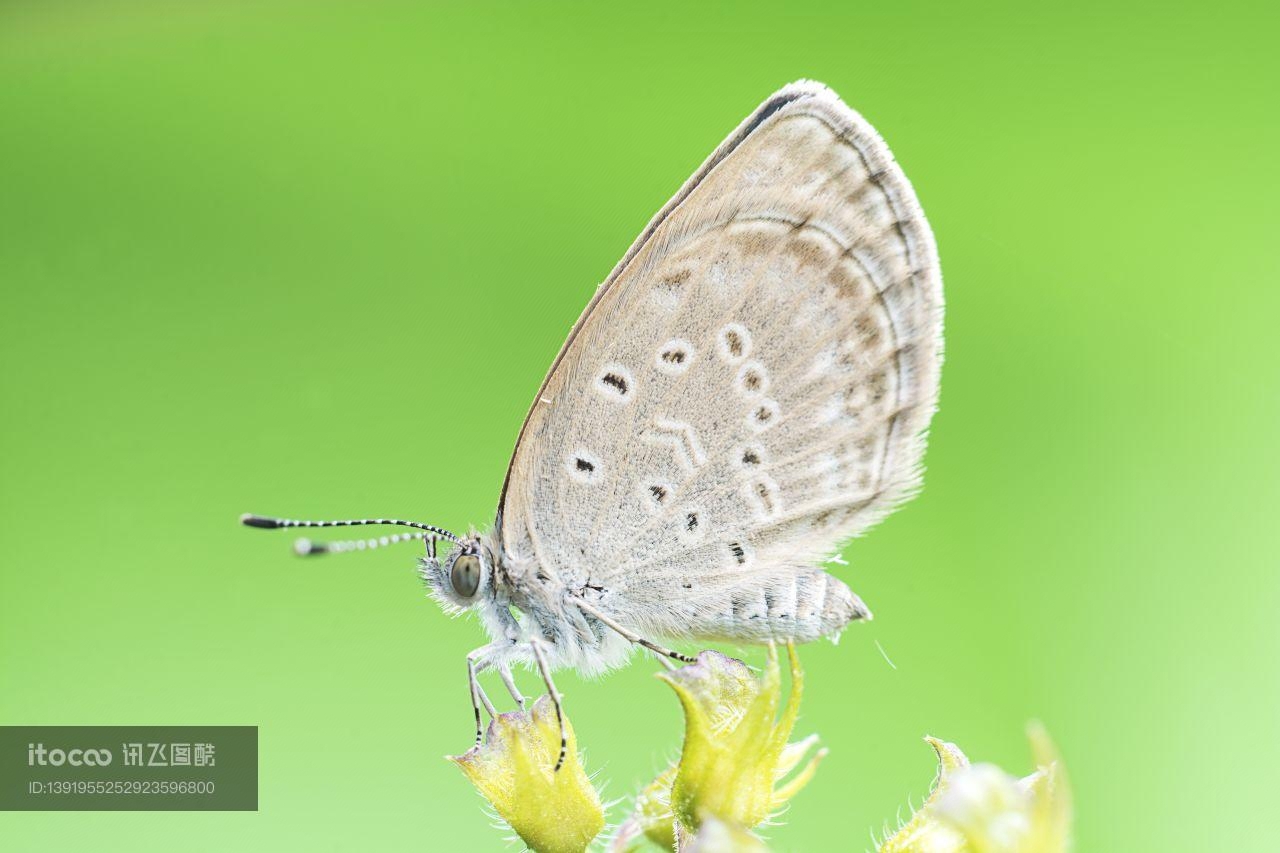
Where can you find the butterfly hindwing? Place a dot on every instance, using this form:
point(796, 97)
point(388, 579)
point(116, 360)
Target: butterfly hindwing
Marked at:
point(750, 386)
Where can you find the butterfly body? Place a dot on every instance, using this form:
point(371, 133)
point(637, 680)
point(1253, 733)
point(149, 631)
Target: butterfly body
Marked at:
point(791, 603)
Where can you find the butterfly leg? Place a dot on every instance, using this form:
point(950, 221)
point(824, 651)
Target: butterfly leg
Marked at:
point(477, 662)
point(504, 670)
point(541, 658)
point(630, 636)
point(662, 660)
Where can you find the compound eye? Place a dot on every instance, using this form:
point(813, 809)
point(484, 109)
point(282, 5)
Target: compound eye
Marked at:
point(465, 575)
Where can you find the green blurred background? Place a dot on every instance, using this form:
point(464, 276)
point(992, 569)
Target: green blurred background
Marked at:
point(313, 259)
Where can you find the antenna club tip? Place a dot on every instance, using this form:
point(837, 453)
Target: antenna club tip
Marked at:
point(251, 520)
point(306, 548)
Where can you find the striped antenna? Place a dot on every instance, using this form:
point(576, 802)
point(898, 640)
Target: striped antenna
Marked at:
point(306, 547)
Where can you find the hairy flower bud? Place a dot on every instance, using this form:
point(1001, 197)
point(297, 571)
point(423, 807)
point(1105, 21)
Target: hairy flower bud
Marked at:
point(552, 811)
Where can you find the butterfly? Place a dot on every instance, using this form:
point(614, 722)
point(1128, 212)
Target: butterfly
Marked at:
point(749, 387)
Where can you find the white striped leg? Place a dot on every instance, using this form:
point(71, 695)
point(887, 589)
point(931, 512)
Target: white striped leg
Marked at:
point(477, 662)
point(630, 636)
point(536, 646)
point(504, 671)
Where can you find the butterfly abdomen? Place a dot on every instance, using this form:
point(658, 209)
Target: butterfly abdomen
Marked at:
point(791, 605)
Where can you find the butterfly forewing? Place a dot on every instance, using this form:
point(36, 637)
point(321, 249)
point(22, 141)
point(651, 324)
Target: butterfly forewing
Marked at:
point(749, 387)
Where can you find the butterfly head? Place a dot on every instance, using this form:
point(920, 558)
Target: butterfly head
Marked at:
point(459, 581)
point(463, 578)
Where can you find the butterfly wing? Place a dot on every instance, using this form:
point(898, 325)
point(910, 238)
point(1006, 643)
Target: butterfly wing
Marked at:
point(749, 387)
